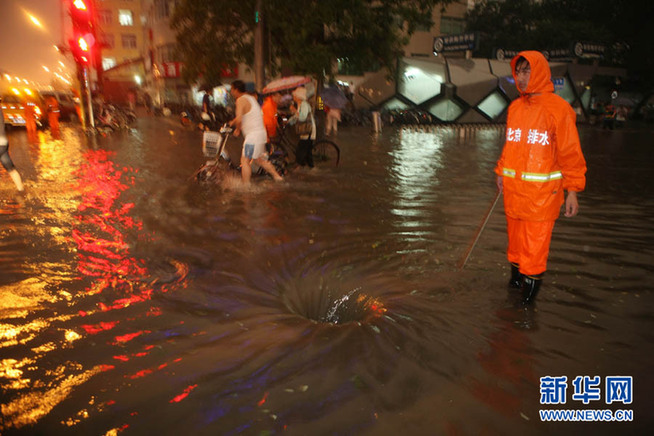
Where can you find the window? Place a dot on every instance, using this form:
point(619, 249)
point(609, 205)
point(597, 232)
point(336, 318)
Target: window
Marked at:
point(164, 8)
point(125, 17)
point(452, 25)
point(108, 63)
point(493, 105)
point(161, 8)
point(128, 40)
point(108, 40)
point(446, 110)
point(421, 80)
point(105, 16)
point(166, 53)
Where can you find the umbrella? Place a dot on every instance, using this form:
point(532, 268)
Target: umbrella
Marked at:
point(334, 98)
point(285, 83)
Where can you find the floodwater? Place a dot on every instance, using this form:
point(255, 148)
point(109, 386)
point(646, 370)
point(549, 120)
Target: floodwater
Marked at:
point(135, 301)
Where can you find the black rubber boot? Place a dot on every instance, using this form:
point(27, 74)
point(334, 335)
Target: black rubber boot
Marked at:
point(530, 287)
point(516, 278)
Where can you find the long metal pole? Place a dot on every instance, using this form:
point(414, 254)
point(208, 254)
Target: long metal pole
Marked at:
point(259, 73)
point(87, 84)
point(471, 247)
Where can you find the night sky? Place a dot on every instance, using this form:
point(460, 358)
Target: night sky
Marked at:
point(25, 48)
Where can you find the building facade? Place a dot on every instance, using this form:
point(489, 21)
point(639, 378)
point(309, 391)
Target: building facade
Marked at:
point(121, 30)
point(163, 69)
point(448, 21)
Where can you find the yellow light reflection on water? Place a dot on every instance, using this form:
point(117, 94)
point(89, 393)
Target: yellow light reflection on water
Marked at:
point(29, 408)
point(92, 223)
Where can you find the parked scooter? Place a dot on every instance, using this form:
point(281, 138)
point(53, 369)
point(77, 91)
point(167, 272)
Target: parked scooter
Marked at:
point(194, 117)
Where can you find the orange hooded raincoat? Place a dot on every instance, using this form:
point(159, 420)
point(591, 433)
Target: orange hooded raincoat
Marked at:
point(541, 158)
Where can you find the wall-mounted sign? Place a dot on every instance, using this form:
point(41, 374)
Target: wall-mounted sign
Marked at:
point(461, 42)
point(502, 54)
point(558, 54)
point(559, 83)
point(229, 72)
point(171, 69)
point(588, 50)
point(579, 49)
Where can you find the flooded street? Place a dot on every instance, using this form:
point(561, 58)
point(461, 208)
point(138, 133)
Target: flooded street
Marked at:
point(136, 301)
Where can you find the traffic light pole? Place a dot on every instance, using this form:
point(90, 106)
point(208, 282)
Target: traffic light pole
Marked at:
point(259, 71)
point(89, 101)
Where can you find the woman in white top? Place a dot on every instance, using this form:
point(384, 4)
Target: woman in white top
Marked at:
point(249, 120)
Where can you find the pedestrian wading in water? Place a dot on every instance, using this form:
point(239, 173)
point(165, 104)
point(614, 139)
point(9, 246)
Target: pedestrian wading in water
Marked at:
point(541, 160)
point(7, 163)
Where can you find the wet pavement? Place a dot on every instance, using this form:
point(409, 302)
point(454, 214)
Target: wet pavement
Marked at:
point(134, 300)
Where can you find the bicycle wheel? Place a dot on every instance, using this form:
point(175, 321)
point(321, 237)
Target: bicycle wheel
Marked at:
point(326, 153)
point(207, 173)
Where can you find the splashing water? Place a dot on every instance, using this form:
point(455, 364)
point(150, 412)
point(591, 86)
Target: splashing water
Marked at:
point(331, 314)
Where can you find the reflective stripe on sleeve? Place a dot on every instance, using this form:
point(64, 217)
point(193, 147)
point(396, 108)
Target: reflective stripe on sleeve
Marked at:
point(508, 172)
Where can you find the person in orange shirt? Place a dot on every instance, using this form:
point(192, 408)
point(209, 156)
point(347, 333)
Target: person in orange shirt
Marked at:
point(269, 109)
point(541, 158)
point(30, 121)
point(53, 116)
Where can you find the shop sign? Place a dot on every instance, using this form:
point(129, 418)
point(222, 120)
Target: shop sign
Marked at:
point(171, 69)
point(461, 42)
point(229, 72)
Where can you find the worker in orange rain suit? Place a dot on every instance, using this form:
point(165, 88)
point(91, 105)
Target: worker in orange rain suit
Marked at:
point(269, 109)
point(53, 116)
point(541, 158)
point(30, 121)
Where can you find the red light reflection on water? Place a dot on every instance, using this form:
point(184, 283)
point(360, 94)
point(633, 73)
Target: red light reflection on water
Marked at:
point(97, 328)
point(262, 401)
point(102, 224)
point(148, 371)
point(184, 394)
point(128, 337)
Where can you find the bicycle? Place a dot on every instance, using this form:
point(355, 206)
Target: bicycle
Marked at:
point(213, 148)
point(325, 152)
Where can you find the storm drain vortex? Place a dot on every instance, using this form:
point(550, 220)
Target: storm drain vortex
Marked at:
point(333, 306)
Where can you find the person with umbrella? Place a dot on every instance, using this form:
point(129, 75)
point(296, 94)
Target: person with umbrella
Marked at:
point(334, 100)
point(305, 127)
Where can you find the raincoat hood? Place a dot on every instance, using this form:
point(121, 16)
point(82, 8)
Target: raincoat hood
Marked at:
point(540, 80)
point(300, 93)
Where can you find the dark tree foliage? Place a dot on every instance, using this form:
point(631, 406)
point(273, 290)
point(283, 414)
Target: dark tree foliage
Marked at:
point(621, 25)
point(302, 36)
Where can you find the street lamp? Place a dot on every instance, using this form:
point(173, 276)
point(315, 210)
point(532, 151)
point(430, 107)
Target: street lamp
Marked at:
point(34, 20)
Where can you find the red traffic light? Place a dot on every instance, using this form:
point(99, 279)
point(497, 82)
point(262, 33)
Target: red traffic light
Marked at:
point(80, 5)
point(81, 15)
point(80, 47)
